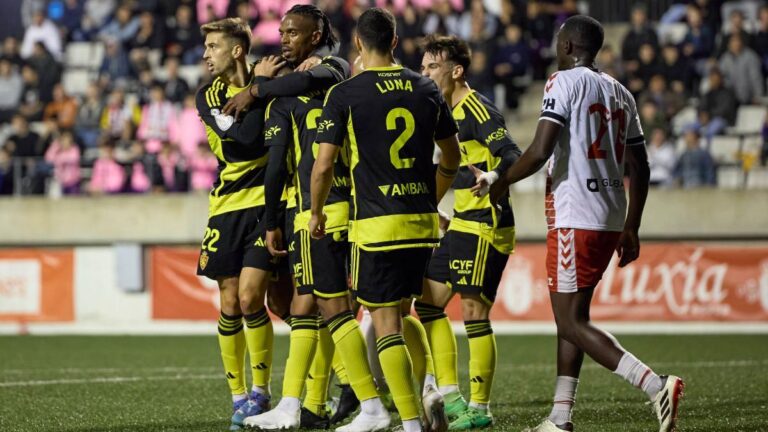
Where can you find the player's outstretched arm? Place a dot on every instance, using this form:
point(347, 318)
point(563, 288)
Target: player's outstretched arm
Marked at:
point(274, 183)
point(639, 176)
point(450, 159)
point(320, 186)
point(532, 160)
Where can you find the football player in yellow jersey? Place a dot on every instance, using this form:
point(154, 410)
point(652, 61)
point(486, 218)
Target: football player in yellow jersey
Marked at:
point(392, 118)
point(474, 251)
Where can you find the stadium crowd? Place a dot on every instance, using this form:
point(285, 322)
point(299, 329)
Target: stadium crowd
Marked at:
point(134, 128)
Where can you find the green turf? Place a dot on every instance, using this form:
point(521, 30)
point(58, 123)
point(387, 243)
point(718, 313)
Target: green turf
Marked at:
point(176, 384)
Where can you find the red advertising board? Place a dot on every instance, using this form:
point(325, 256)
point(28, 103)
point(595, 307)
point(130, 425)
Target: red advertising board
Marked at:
point(36, 285)
point(670, 282)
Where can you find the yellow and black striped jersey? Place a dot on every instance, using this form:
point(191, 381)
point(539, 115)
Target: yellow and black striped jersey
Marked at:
point(238, 146)
point(392, 117)
point(483, 138)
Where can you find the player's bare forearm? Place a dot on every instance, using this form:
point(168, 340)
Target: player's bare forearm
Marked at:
point(322, 177)
point(536, 155)
point(639, 177)
point(450, 159)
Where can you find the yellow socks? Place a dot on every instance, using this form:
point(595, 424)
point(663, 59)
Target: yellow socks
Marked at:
point(232, 346)
point(442, 342)
point(260, 338)
point(320, 372)
point(350, 346)
point(398, 370)
point(300, 353)
point(418, 347)
point(482, 360)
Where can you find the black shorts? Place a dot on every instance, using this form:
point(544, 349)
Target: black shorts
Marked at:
point(322, 265)
point(234, 240)
point(385, 278)
point(468, 264)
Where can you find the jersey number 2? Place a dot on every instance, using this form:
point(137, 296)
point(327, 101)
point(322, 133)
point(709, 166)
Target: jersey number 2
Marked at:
point(405, 135)
point(605, 116)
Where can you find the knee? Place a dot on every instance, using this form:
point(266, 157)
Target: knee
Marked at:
point(230, 304)
point(249, 303)
point(569, 329)
point(473, 308)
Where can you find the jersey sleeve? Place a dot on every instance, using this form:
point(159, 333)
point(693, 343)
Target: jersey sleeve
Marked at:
point(247, 131)
point(556, 104)
point(634, 129)
point(446, 125)
point(331, 71)
point(277, 126)
point(494, 133)
point(331, 125)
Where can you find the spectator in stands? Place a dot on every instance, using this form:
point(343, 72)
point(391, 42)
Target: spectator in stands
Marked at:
point(155, 119)
point(266, 34)
point(31, 104)
point(122, 28)
point(11, 87)
point(540, 29)
point(441, 19)
point(668, 102)
point(167, 160)
point(764, 150)
point(115, 67)
point(143, 87)
point(64, 155)
point(28, 9)
point(695, 168)
point(708, 126)
point(203, 167)
point(608, 62)
point(409, 27)
point(512, 61)
point(648, 66)
point(184, 38)
point(108, 176)
point(736, 27)
point(99, 11)
point(86, 31)
point(651, 118)
point(640, 33)
point(119, 117)
point(24, 143)
point(661, 158)
point(89, 116)
point(742, 70)
point(699, 42)
point(186, 130)
point(11, 51)
point(150, 35)
point(62, 110)
point(720, 101)
point(176, 88)
point(6, 172)
point(48, 71)
point(477, 24)
point(42, 31)
point(211, 10)
point(677, 70)
point(761, 38)
point(481, 75)
point(71, 15)
point(141, 168)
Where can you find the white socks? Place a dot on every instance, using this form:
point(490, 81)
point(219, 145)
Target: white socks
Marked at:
point(446, 389)
point(413, 425)
point(372, 406)
point(289, 404)
point(639, 375)
point(565, 398)
point(429, 379)
point(239, 397)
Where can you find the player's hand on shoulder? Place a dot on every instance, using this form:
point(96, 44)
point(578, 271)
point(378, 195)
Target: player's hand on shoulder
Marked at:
point(238, 103)
point(317, 226)
point(628, 247)
point(309, 63)
point(274, 241)
point(269, 66)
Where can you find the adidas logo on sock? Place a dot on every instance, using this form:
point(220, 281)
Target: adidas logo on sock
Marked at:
point(260, 366)
point(230, 375)
point(477, 380)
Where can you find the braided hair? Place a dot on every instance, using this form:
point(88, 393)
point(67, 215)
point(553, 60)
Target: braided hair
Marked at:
point(327, 38)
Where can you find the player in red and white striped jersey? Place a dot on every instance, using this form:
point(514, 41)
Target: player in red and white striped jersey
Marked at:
point(589, 131)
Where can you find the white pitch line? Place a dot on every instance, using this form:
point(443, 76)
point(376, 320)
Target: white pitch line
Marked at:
point(108, 370)
point(201, 377)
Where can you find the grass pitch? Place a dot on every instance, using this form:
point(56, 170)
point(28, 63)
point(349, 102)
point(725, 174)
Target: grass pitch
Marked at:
point(123, 383)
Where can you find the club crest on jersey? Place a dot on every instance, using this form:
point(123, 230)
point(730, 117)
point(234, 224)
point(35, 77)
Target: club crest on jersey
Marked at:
point(223, 121)
point(324, 125)
point(203, 260)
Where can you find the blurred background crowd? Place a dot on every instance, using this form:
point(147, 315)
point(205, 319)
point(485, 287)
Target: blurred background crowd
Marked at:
point(97, 96)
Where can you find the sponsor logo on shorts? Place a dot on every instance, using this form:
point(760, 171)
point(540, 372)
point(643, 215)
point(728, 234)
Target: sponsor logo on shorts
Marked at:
point(462, 267)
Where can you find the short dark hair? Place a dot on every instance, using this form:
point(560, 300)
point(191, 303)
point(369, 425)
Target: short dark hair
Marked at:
point(585, 32)
point(327, 37)
point(376, 29)
point(453, 49)
point(233, 28)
